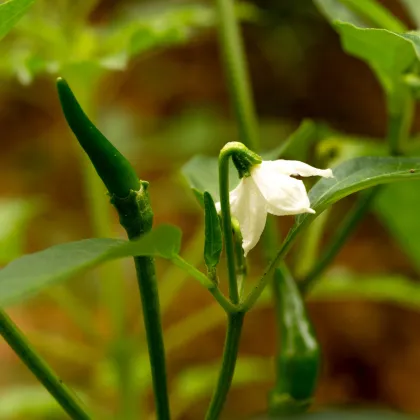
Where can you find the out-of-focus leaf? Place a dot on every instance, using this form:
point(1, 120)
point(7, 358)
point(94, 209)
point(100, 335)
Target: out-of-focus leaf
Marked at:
point(366, 13)
point(389, 54)
point(10, 13)
point(398, 207)
point(30, 274)
point(27, 401)
point(396, 289)
point(198, 382)
point(345, 415)
point(202, 174)
point(297, 144)
point(15, 216)
point(337, 148)
point(413, 8)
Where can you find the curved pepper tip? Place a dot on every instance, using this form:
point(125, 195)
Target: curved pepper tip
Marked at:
point(113, 168)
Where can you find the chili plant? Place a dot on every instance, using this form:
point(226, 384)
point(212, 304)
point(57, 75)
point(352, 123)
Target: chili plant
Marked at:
point(238, 203)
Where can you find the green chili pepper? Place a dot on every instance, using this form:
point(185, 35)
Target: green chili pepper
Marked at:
point(298, 357)
point(113, 168)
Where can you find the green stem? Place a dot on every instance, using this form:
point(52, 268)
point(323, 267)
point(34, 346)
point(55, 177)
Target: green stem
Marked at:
point(224, 156)
point(237, 73)
point(61, 393)
point(146, 278)
point(230, 351)
point(210, 286)
point(340, 237)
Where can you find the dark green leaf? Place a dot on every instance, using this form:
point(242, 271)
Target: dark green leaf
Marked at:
point(389, 54)
point(355, 175)
point(27, 275)
point(345, 415)
point(10, 13)
point(213, 233)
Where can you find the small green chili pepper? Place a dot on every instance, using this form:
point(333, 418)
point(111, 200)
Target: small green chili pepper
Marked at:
point(113, 168)
point(298, 358)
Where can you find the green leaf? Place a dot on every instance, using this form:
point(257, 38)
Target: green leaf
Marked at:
point(10, 13)
point(28, 275)
point(213, 242)
point(355, 175)
point(395, 289)
point(389, 54)
point(398, 208)
point(413, 8)
point(366, 13)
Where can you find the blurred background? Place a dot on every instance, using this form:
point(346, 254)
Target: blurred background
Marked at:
point(149, 73)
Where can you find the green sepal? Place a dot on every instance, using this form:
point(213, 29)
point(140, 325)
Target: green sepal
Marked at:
point(113, 168)
point(135, 211)
point(298, 358)
point(242, 157)
point(213, 241)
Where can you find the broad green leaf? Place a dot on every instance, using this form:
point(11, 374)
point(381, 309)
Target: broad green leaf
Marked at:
point(413, 8)
point(15, 216)
point(29, 274)
point(398, 207)
point(389, 54)
point(365, 13)
point(352, 176)
point(395, 289)
point(213, 241)
point(10, 13)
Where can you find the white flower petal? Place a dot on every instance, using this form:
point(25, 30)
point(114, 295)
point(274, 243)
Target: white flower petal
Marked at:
point(284, 195)
point(250, 208)
point(295, 167)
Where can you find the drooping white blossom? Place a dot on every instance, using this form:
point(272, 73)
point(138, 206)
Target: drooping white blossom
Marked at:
point(270, 189)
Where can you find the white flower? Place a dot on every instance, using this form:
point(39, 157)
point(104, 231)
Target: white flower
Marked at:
point(270, 189)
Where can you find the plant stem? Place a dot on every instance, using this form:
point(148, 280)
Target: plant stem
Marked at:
point(136, 216)
point(227, 222)
point(146, 278)
point(237, 73)
point(60, 392)
point(230, 351)
point(206, 282)
point(340, 237)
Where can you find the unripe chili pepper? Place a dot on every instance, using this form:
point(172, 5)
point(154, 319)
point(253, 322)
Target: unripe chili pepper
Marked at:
point(298, 358)
point(113, 168)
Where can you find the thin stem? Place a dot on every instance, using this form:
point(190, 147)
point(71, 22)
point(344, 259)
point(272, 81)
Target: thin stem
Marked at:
point(227, 222)
point(26, 353)
point(237, 73)
point(211, 287)
point(146, 278)
point(340, 237)
point(230, 352)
